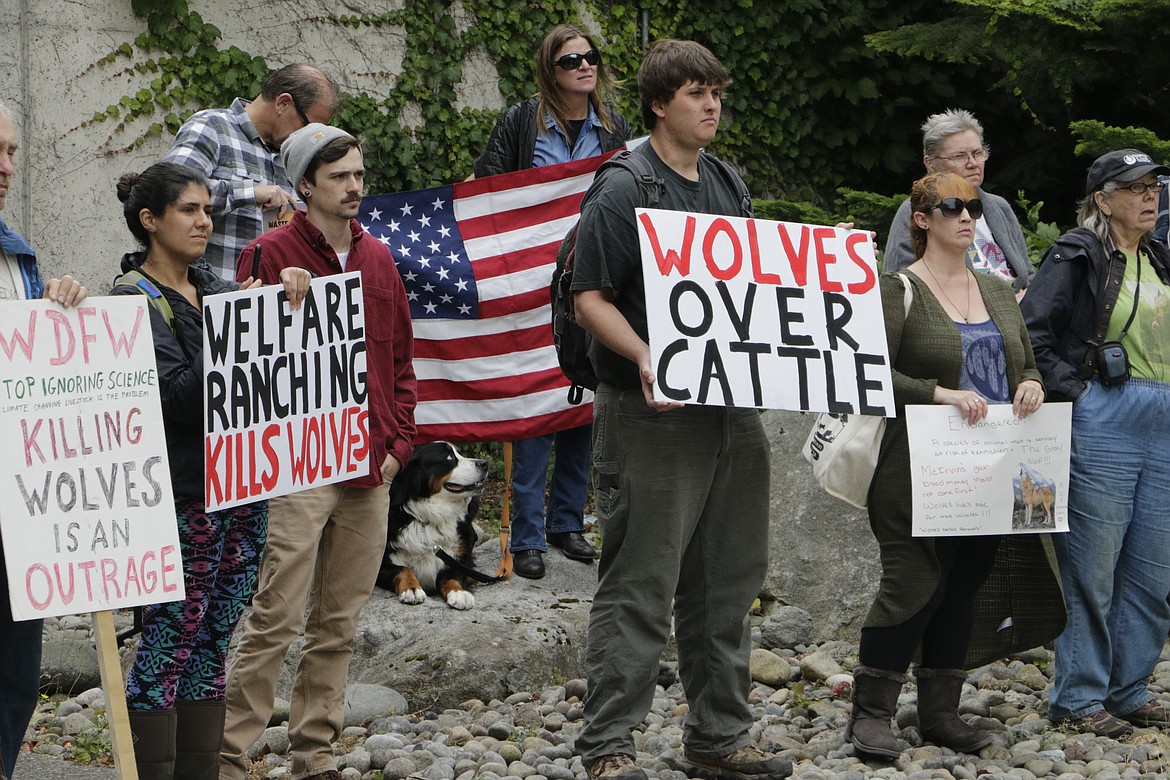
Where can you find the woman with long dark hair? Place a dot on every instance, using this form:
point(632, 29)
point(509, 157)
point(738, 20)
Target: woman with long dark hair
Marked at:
point(175, 688)
point(568, 119)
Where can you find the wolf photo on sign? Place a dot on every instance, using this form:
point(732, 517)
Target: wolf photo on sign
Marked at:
point(1034, 495)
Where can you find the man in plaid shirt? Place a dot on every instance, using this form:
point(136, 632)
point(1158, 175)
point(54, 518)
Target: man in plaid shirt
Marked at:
point(238, 150)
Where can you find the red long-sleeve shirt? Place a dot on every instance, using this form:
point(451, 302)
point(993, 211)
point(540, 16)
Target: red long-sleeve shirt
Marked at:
point(390, 381)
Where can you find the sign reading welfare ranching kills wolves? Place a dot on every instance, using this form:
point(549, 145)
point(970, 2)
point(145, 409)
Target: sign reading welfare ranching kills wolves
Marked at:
point(754, 313)
point(284, 391)
point(86, 507)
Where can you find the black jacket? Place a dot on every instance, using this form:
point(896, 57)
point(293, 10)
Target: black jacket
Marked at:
point(179, 357)
point(1063, 309)
point(513, 139)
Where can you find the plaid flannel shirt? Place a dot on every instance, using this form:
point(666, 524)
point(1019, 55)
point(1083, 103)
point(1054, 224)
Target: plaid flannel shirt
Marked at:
point(224, 146)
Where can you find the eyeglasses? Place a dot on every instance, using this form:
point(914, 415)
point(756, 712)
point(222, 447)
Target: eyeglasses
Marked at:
point(952, 208)
point(977, 156)
point(1140, 187)
point(300, 111)
point(573, 61)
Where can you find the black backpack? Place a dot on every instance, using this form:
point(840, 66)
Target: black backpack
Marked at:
point(570, 339)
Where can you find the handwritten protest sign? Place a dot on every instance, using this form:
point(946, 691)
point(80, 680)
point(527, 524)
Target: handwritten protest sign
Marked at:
point(284, 391)
point(1001, 475)
point(86, 509)
point(753, 313)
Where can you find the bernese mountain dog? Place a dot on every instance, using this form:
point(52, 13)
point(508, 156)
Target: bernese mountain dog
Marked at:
point(433, 501)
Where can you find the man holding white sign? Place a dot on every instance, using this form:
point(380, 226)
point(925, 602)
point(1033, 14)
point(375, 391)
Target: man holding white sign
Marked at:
point(327, 543)
point(682, 492)
point(20, 649)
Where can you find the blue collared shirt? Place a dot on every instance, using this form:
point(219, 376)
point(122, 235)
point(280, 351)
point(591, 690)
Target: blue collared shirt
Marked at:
point(552, 146)
point(13, 245)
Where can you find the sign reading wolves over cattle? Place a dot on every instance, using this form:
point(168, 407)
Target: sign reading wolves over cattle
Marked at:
point(753, 313)
point(284, 391)
point(86, 508)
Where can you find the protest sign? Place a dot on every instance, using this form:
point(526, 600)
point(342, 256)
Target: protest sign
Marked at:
point(86, 511)
point(284, 391)
point(753, 313)
point(1001, 475)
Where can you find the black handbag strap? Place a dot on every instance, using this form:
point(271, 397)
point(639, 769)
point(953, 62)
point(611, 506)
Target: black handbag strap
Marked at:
point(1114, 274)
point(1137, 291)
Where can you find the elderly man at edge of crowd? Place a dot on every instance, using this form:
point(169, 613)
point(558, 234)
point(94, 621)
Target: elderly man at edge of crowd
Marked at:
point(20, 641)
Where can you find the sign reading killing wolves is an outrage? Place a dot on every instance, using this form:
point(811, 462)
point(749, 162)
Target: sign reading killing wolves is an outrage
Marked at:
point(284, 391)
point(1001, 475)
point(86, 507)
point(754, 313)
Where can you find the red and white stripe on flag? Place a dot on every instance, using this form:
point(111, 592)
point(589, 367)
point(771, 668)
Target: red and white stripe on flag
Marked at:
point(477, 259)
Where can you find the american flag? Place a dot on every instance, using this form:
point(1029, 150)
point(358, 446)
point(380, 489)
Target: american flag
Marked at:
point(477, 259)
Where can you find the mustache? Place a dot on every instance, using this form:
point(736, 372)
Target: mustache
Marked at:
point(352, 199)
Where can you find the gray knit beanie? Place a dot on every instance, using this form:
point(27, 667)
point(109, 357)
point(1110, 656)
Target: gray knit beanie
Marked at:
point(299, 149)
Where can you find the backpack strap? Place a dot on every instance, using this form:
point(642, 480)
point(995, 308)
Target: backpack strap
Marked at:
point(649, 184)
point(138, 281)
point(738, 185)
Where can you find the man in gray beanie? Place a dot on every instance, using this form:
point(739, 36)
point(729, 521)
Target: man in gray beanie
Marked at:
point(326, 543)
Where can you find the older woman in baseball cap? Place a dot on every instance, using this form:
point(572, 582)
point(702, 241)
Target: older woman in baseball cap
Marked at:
point(1098, 314)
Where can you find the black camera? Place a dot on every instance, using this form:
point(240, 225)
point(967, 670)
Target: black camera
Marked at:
point(1112, 363)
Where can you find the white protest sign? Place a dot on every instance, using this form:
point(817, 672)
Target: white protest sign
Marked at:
point(753, 313)
point(284, 391)
point(86, 507)
point(1002, 475)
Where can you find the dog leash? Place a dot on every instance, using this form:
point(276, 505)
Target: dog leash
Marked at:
point(505, 569)
point(455, 563)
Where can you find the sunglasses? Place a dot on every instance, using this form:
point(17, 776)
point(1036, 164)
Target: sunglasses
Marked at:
point(573, 61)
point(952, 208)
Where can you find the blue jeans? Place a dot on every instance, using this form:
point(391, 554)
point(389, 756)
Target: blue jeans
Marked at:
point(20, 674)
point(570, 486)
point(1115, 559)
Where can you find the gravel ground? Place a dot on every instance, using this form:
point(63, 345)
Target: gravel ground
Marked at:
point(799, 699)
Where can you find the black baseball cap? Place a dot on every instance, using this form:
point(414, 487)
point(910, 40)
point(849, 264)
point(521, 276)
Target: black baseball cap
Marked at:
point(1122, 165)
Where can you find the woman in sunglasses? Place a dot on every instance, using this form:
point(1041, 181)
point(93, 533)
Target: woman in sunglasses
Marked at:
point(568, 119)
point(952, 142)
point(1097, 313)
point(962, 343)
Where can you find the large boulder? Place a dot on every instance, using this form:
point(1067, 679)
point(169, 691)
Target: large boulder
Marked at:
point(521, 635)
point(823, 557)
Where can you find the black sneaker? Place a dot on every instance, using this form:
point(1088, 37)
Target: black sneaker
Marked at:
point(746, 763)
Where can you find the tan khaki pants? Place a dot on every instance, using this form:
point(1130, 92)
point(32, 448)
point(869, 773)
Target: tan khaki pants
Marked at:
point(324, 548)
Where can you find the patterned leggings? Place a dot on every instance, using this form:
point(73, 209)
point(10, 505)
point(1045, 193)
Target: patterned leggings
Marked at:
point(184, 643)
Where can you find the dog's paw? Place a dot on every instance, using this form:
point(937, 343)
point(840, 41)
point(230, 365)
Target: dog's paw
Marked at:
point(460, 599)
point(413, 596)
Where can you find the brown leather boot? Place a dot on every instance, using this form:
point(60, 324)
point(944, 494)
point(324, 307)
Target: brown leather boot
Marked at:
point(875, 700)
point(938, 711)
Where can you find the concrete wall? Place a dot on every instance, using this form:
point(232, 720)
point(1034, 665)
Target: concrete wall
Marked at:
point(824, 559)
point(64, 200)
